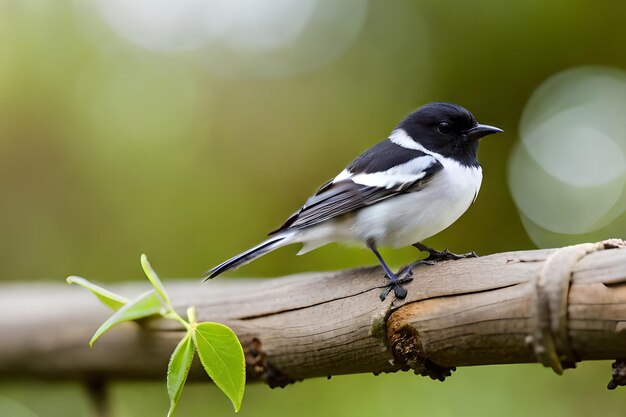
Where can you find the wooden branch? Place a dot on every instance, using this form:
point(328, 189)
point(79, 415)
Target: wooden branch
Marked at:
point(555, 306)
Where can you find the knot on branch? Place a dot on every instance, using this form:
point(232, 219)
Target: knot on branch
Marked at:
point(258, 366)
point(550, 339)
point(409, 354)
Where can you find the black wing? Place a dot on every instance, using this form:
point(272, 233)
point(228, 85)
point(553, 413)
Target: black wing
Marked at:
point(334, 199)
point(383, 156)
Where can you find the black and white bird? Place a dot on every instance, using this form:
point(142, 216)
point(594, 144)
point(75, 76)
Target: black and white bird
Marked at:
point(405, 189)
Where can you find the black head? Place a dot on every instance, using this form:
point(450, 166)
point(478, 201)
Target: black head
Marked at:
point(447, 129)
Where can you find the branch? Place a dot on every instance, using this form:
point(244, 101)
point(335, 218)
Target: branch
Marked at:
point(554, 306)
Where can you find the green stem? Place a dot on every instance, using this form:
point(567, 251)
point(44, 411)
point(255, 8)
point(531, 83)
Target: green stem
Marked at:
point(173, 315)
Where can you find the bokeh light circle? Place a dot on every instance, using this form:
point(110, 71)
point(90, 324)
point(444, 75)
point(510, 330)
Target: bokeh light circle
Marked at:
point(243, 38)
point(567, 173)
point(160, 25)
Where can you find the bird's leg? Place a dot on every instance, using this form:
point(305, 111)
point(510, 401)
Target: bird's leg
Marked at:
point(394, 283)
point(444, 255)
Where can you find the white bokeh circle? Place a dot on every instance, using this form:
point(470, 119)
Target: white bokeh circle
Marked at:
point(160, 25)
point(567, 174)
point(243, 38)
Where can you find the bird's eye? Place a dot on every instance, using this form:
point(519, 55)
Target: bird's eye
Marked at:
point(444, 128)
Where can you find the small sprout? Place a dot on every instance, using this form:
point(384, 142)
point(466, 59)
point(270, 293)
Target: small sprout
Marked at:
point(219, 349)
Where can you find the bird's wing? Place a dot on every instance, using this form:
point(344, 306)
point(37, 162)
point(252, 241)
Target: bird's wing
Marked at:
point(350, 191)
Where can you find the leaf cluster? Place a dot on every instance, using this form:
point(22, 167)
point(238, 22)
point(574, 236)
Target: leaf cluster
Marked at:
point(217, 346)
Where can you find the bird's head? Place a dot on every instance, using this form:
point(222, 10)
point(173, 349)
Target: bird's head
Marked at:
point(447, 129)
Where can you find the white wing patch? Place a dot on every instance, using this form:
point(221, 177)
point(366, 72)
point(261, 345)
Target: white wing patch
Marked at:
point(410, 171)
point(343, 175)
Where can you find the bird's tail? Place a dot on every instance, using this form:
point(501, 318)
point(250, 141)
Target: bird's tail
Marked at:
point(251, 254)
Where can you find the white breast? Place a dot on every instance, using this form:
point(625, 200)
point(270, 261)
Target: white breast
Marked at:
point(410, 218)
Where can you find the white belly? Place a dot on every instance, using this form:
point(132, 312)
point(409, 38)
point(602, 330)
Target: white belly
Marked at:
point(410, 218)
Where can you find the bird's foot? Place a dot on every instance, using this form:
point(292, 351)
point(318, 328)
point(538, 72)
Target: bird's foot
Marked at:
point(396, 285)
point(404, 276)
point(444, 255)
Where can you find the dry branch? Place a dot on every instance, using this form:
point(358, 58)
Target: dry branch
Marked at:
point(555, 306)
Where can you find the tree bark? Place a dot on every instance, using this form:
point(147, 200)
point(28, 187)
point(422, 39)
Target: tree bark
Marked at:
point(554, 306)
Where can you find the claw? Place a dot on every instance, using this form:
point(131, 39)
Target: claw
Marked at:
point(397, 286)
point(383, 295)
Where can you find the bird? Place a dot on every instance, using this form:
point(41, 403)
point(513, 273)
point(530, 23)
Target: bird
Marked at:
point(407, 188)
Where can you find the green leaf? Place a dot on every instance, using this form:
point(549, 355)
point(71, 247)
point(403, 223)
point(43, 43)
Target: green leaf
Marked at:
point(222, 357)
point(145, 305)
point(154, 279)
point(108, 298)
point(177, 370)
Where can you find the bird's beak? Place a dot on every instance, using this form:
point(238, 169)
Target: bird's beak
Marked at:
point(480, 131)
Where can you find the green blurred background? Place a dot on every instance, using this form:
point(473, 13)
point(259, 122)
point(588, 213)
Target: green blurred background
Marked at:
point(188, 129)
